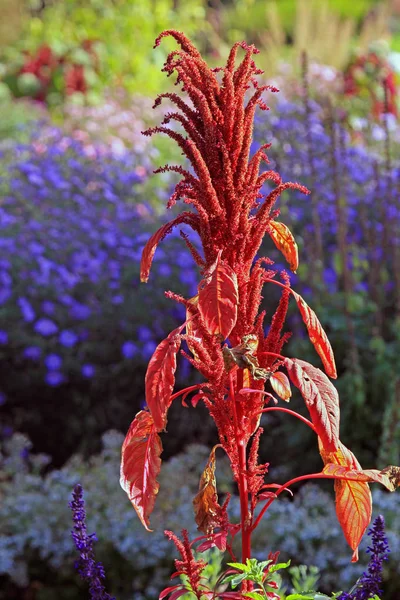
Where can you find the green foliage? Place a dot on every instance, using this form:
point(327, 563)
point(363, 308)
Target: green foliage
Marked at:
point(17, 119)
point(124, 31)
point(304, 577)
point(261, 573)
point(252, 11)
point(36, 551)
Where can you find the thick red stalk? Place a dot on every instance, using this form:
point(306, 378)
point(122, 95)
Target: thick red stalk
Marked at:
point(245, 518)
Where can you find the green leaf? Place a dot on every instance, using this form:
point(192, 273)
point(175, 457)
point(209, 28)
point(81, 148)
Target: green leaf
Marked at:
point(254, 595)
point(300, 597)
point(235, 579)
point(262, 565)
point(252, 563)
point(239, 566)
point(279, 566)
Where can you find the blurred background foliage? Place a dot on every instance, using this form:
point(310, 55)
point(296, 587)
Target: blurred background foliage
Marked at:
point(77, 83)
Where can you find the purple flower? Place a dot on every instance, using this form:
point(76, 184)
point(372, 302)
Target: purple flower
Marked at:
point(80, 311)
point(68, 338)
point(87, 567)
point(164, 270)
point(128, 349)
point(27, 311)
point(370, 581)
point(88, 371)
point(53, 362)
point(5, 293)
point(3, 337)
point(3, 398)
point(144, 333)
point(46, 327)
point(32, 352)
point(54, 378)
point(148, 349)
point(48, 307)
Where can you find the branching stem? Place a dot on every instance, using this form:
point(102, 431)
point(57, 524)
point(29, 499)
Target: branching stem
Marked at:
point(290, 412)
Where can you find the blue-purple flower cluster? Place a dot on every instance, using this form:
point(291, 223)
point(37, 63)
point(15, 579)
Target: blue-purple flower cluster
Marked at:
point(355, 195)
point(72, 228)
point(90, 571)
point(369, 584)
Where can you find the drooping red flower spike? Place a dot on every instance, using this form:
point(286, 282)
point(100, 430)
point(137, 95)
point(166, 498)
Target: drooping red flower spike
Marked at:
point(224, 328)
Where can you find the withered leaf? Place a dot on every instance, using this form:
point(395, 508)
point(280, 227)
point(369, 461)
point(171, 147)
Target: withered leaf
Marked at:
point(205, 503)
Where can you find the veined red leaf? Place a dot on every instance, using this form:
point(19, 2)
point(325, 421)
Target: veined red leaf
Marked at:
point(317, 336)
point(353, 498)
point(281, 385)
point(141, 464)
point(343, 472)
point(321, 398)
point(160, 378)
point(218, 300)
point(205, 503)
point(285, 242)
point(156, 238)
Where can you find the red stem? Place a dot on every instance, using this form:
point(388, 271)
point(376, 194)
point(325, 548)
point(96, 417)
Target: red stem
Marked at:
point(186, 390)
point(291, 412)
point(272, 354)
point(282, 285)
point(286, 485)
point(242, 482)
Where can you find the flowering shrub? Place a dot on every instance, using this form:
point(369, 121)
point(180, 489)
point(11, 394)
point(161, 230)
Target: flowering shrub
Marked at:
point(366, 77)
point(36, 550)
point(75, 327)
point(111, 25)
point(50, 77)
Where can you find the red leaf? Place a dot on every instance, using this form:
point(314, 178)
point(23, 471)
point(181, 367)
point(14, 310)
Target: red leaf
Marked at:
point(218, 300)
point(353, 498)
point(178, 594)
point(156, 238)
point(285, 242)
point(160, 378)
point(168, 590)
point(281, 386)
point(321, 398)
point(317, 336)
point(266, 496)
point(141, 464)
point(216, 540)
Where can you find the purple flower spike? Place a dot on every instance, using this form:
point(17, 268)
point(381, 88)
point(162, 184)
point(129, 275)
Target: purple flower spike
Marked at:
point(370, 581)
point(89, 570)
